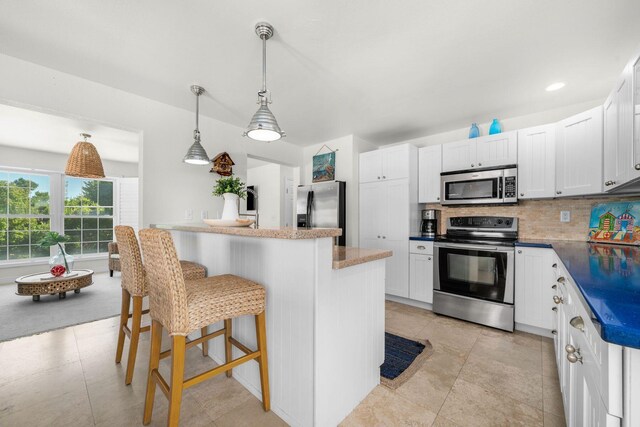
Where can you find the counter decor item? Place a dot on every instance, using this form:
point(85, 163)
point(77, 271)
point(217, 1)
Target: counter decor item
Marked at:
point(615, 222)
point(474, 132)
point(495, 128)
point(57, 270)
point(222, 164)
point(53, 238)
point(34, 285)
point(324, 165)
point(232, 189)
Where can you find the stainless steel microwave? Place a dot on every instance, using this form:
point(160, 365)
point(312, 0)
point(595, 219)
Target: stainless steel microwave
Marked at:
point(479, 187)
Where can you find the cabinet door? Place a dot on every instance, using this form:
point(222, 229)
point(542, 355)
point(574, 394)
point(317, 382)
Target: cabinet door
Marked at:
point(497, 150)
point(397, 268)
point(533, 291)
point(372, 214)
point(537, 162)
point(458, 155)
point(395, 162)
point(618, 133)
point(421, 277)
point(395, 204)
point(371, 166)
point(579, 154)
point(429, 168)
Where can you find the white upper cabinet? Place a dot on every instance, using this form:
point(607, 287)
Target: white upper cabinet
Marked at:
point(459, 155)
point(618, 133)
point(482, 152)
point(386, 163)
point(371, 166)
point(537, 162)
point(429, 168)
point(497, 150)
point(579, 154)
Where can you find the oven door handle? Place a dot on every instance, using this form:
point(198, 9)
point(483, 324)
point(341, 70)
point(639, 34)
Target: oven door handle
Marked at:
point(479, 248)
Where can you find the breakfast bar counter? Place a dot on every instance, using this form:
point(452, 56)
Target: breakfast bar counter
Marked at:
point(325, 314)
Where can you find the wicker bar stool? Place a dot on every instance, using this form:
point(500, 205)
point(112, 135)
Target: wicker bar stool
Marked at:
point(134, 287)
point(183, 306)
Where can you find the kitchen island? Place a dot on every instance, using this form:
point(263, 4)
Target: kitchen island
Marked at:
point(325, 314)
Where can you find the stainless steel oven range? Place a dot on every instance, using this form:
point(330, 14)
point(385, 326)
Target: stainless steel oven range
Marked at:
point(473, 270)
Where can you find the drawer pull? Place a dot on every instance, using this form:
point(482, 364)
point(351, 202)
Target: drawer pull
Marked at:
point(554, 286)
point(429, 258)
point(555, 265)
point(577, 323)
point(421, 247)
point(573, 354)
point(557, 299)
point(554, 332)
point(554, 309)
point(561, 279)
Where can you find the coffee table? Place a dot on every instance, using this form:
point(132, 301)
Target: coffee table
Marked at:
point(38, 284)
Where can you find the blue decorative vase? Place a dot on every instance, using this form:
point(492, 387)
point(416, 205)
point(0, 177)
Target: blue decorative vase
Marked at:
point(496, 127)
point(474, 132)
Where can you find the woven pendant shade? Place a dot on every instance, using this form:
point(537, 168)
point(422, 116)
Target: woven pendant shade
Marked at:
point(84, 161)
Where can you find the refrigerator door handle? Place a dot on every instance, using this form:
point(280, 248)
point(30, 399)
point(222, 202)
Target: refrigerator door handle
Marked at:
point(309, 207)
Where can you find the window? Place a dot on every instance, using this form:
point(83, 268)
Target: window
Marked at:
point(88, 215)
point(24, 215)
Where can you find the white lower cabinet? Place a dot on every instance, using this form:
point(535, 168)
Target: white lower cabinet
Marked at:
point(421, 271)
point(533, 287)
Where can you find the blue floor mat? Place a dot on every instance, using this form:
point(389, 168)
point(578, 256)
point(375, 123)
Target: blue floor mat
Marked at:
point(399, 353)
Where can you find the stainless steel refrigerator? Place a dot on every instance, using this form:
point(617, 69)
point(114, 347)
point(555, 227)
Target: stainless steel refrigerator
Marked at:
point(323, 205)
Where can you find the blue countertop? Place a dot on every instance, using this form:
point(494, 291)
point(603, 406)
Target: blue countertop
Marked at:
point(419, 237)
point(608, 277)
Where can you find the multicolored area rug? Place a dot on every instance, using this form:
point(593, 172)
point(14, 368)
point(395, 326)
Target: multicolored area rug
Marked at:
point(402, 358)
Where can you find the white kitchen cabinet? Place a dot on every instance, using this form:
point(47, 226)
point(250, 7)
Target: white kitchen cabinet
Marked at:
point(618, 133)
point(537, 162)
point(482, 152)
point(497, 150)
point(429, 168)
point(421, 271)
point(635, 171)
point(385, 163)
point(459, 155)
point(533, 287)
point(579, 154)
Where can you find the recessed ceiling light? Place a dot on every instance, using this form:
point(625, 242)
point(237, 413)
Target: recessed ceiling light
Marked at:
point(554, 86)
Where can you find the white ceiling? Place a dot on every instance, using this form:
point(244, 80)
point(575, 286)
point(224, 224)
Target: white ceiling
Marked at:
point(384, 70)
point(45, 132)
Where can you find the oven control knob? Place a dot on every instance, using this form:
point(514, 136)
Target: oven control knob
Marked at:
point(500, 221)
point(472, 165)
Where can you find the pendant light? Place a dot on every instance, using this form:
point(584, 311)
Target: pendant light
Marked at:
point(84, 160)
point(196, 154)
point(263, 125)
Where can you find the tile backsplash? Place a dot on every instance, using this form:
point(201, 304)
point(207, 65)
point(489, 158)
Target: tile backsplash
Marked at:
point(538, 219)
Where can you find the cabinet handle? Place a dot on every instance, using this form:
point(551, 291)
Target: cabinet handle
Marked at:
point(637, 166)
point(561, 279)
point(437, 198)
point(557, 299)
point(554, 265)
point(577, 323)
point(573, 354)
point(558, 192)
point(479, 164)
point(384, 237)
point(554, 309)
point(554, 332)
point(519, 251)
point(429, 258)
point(521, 194)
point(378, 237)
point(378, 177)
point(607, 183)
point(420, 247)
point(569, 349)
point(472, 165)
point(384, 177)
point(554, 286)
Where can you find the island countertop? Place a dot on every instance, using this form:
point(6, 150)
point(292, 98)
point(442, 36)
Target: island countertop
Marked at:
point(274, 233)
point(346, 256)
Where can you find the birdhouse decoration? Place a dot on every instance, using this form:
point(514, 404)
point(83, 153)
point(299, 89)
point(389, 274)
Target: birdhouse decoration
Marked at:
point(222, 164)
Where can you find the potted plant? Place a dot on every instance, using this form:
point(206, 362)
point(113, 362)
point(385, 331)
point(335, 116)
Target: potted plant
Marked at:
point(231, 188)
point(53, 238)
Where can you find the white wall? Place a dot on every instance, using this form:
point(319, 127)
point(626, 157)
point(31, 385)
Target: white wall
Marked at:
point(168, 186)
point(267, 182)
point(56, 162)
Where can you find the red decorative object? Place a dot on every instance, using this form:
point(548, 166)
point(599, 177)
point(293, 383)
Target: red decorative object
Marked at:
point(57, 270)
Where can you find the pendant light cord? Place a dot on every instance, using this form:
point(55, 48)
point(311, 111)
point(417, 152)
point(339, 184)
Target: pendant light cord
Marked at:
point(197, 131)
point(263, 93)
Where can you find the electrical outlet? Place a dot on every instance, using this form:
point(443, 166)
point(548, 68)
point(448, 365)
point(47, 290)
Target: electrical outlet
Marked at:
point(204, 214)
point(565, 216)
point(188, 214)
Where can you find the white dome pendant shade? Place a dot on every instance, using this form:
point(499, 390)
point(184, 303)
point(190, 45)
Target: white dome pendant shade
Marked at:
point(196, 154)
point(263, 125)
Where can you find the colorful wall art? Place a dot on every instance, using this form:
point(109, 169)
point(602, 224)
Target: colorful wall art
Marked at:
point(617, 222)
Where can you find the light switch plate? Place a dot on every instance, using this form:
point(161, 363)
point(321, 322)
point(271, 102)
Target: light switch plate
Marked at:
point(565, 216)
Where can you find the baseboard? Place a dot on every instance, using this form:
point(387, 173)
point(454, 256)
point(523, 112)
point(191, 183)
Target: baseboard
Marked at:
point(410, 302)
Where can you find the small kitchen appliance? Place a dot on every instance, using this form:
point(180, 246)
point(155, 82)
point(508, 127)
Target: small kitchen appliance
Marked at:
point(430, 222)
point(474, 270)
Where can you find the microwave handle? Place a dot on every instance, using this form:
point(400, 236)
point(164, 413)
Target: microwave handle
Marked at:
point(500, 187)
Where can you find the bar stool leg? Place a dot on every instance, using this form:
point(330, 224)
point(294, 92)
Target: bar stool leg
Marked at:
point(154, 362)
point(124, 318)
point(227, 345)
point(263, 363)
point(178, 347)
point(136, 320)
point(205, 344)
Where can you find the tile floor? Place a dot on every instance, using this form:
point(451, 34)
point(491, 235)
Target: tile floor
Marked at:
point(476, 376)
